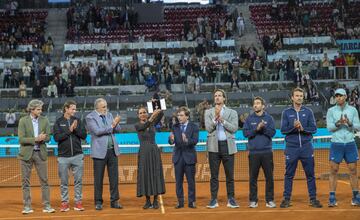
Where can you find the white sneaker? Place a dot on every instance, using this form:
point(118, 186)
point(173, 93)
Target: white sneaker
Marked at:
point(48, 210)
point(271, 204)
point(27, 210)
point(253, 204)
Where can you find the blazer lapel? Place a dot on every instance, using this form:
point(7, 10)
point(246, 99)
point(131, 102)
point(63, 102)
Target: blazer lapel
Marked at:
point(226, 113)
point(98, 118)
point(30, 125)
point(188, 129)
point(41, 125)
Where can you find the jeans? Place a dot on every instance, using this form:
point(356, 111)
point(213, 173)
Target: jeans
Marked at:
point(76, 165)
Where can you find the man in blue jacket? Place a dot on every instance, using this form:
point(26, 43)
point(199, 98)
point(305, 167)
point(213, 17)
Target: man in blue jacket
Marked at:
point(259, 128)
point(343, 120)
point(298, 125)
point(185, 137)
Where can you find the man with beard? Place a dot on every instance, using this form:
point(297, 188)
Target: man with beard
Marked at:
point(259, 128)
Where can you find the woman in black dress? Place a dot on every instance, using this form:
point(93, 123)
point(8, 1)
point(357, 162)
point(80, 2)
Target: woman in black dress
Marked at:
point(150, 177)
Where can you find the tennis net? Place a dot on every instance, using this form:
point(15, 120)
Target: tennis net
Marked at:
point(11, 175)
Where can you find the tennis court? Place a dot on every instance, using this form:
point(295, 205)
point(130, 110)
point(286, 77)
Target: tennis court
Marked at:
point(11, 199)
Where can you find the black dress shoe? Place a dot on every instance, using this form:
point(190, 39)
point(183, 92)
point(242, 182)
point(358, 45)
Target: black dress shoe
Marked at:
point(116, 205)
point(192, 205)
point(155, 204)
point(179, 206)
point(98, 207)
point(147, 205)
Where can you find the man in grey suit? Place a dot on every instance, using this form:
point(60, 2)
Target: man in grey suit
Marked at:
point(221, 123)
point(104, 151)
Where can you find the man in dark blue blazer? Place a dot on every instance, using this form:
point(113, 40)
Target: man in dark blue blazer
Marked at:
point(185, 137)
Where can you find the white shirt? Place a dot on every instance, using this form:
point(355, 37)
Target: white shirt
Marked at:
point(220, 128)
point(10, 118)
point(26, 71)
point(49, 70)
point(35, 123)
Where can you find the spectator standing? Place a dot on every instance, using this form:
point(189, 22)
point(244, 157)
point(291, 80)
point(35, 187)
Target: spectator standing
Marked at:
point(7, 75)
point(52, 90)
point(26, 70)
point(10, 119)
point(22, 90)
point(240, 24)
point(37, 90)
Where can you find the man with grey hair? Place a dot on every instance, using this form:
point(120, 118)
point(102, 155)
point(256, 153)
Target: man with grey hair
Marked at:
point(34, 132)
point(104, 151)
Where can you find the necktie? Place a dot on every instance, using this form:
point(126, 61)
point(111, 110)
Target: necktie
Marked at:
point(182, 127)
point(103, 119)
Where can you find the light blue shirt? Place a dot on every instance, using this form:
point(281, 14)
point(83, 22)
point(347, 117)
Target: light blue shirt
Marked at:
point(35, 123)
point(220, 129)
point(343, 133)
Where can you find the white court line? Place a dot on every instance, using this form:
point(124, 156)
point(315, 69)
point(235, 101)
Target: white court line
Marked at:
point(344, 182)
point(162, 205)
point(10, 178)
point(184, 213)
point(4, 167)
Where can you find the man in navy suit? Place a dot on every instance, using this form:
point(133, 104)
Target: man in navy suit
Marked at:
point(185, 137)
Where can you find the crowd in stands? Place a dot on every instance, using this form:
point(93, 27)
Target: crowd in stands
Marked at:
point(20, 27)
point(339, 19)
point(86, 18)
point(190, 69)
point(90, 23)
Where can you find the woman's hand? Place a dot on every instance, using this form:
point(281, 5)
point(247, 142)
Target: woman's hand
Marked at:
point(154, 115)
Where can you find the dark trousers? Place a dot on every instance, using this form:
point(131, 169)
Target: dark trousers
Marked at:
point(265, 161)
point(182, 168)
point(308, 164)
point(111, 162)
point(228, 162)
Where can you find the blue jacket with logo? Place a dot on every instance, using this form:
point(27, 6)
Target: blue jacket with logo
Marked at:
point(259, 141)
point(295, 138)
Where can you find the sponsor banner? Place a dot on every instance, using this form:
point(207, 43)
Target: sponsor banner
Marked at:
point(349, 46)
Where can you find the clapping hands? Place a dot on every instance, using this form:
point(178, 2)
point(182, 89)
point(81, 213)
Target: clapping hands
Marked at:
point(298, 125)
point(41, 137)
point(344, 120)
point(73, 126)
point(261, 125)
point(116, 121)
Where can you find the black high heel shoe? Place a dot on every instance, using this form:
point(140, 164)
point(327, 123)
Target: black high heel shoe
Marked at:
point(155, 204)
point(147, 205)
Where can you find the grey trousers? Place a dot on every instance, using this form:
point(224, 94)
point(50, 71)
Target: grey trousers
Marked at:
point(76, 165)
point(41, 169)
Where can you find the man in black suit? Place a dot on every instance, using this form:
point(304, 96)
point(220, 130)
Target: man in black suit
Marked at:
point(185, 137)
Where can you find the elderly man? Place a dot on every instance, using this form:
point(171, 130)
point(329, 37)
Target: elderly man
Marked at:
point(104, 151)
